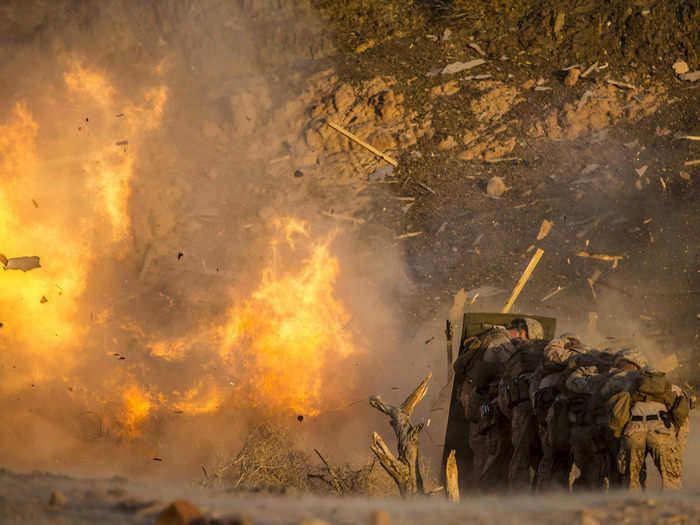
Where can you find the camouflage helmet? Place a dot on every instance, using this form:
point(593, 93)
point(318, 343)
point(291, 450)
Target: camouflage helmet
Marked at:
point(631, 355)
point(532, 326)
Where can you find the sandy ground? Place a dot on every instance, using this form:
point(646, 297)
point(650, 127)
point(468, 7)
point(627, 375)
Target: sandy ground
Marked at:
point(24, 498)
point(604, 163)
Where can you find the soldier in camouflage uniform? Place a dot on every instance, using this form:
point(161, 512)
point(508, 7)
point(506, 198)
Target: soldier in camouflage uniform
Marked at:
point(589, 444)
point(489, 430)
point(621, 378)
point(650, 430)
point(474, 390)
point(514, 403)
point(551, 409)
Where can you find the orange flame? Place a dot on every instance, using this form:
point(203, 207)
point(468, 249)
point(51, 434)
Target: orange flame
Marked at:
point(137, 406)
point(66, 202)
point(280, 340)
point(28, 322)
point(277, 346)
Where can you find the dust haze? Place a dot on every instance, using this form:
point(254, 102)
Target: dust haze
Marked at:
point(157, 157)
point(152, 159)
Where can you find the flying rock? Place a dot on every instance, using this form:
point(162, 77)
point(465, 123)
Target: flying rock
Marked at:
point(495, 187)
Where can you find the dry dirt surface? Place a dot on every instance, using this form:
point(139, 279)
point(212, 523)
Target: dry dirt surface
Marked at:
point(586, 111)
point(27, 498)
point(598, 151)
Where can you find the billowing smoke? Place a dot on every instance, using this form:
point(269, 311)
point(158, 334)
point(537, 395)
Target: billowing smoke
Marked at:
point(190, 283)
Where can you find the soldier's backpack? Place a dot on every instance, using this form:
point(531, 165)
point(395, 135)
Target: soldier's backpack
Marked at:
point(482, 373)
point(601, 360)
point(525, 359)
point(618, 408)
point(654, 386)
point(518, 369)
point(680, 410)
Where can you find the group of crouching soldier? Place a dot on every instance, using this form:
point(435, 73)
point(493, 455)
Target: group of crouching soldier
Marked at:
point(536, 409)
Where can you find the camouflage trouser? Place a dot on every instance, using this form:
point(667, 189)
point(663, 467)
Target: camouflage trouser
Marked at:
point(477, 444)
point(682, 435)
point(555, 465)
point(651, 437)
point(527, 450)
point(591, 458)
point(615, 480)
point(499, 451)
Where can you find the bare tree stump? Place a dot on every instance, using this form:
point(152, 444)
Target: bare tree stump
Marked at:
point(404, 469)
point(452, 476)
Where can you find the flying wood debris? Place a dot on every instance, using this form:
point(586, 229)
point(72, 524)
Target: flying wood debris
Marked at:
point(551, 294)
point(523, 280)
point(602, 257)
point(408, 235)
point(545, 228)
point(502, 159)
point(591, 282)
point(20, 263)
point(590, 70)
point(426, 187)
point(618, 84)
point(456, 67)
point(476, 48)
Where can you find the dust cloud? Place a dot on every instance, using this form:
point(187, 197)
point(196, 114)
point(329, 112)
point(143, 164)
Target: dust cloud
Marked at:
point(190, 285)
point(201, 271)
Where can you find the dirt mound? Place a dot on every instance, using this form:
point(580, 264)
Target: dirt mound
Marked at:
point(598, 108)
point(647, 32)
point(373, 112)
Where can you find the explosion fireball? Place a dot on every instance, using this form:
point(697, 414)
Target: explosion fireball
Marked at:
point(66, 199)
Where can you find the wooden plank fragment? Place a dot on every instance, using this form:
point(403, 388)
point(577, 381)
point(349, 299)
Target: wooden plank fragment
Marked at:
point(523, 279)
point(362, 143)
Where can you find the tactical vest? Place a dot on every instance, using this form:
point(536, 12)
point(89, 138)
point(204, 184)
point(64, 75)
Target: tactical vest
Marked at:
point(653, 386)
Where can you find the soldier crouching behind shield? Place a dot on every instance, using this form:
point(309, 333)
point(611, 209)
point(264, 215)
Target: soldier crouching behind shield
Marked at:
point(657, 425)
point(489, 430)
point(550, 403)
point(514, 403)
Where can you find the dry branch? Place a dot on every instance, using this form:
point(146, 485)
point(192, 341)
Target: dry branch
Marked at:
point(336, 485)
point(362, 143)
point(404, 469)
